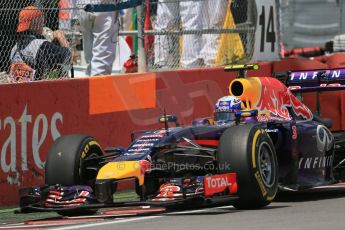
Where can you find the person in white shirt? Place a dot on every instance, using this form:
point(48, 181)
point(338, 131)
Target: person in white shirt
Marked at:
point(167, 46)
point(100, 35)
point(214, 16)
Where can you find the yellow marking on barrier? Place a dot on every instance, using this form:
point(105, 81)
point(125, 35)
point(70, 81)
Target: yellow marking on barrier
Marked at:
point(230, 48)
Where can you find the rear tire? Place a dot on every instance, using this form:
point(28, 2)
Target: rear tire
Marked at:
point(250, 153)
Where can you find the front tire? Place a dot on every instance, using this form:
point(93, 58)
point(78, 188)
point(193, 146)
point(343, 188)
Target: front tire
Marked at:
point(66, 163)
point(250, 153)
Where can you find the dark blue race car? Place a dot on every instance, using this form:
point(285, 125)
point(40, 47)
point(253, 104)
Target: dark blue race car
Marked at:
point(261, 139)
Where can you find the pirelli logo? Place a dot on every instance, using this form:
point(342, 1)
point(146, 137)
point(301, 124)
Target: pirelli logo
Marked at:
point(261, 183)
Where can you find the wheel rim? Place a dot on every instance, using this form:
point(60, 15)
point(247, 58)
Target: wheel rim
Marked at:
point(266, 164)
point(89, 173)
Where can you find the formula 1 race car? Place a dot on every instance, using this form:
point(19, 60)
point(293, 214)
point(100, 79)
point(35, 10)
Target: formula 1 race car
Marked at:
point(272, 142)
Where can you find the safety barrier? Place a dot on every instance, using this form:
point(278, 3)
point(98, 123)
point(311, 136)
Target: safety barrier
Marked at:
point(108, 108)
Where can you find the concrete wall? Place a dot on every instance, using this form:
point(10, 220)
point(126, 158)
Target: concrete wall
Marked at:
point(309, 23)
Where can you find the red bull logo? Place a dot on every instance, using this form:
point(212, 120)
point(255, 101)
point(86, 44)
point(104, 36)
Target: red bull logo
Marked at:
point(269, 95)
point(275, 98)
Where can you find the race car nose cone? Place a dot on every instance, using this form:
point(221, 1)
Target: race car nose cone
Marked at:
point(123, 170)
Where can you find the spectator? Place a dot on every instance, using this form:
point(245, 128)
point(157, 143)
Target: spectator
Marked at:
point(8, 28)
point(166, 46)
point(34, 57)
point(214, 15)
point(197, 49)
point(100, 35)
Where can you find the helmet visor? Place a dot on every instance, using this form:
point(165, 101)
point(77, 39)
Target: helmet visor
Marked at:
point(224, 116)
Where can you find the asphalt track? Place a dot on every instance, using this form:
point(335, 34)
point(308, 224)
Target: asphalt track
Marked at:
point(290, 211)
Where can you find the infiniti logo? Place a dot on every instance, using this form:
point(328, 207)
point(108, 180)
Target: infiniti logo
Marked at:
point(324, 139)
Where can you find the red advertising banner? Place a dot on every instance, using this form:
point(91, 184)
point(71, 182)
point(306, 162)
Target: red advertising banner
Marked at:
point(108, 108)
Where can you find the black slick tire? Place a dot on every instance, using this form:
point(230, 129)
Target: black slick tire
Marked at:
point(66, 165)
point(248, 151)
point(65, 162)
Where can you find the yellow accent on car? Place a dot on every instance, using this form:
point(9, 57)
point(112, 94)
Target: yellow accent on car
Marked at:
point(247, 89)
point(241, 66)
point(256, 67)
point(91, 143)
point(234, 67)
point(121, 170)
point(163, 119)
point(253, 147)
point(246, 114)
point(270, 198)
point(261, 183)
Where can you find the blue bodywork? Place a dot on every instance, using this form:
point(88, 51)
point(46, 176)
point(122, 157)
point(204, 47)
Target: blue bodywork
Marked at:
point(305, 149)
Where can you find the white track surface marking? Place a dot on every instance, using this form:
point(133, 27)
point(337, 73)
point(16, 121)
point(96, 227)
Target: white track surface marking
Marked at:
point(101, 223)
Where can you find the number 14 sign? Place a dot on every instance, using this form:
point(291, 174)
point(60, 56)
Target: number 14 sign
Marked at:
point(266, 47)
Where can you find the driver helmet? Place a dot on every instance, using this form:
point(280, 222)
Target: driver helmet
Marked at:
point(225, 109)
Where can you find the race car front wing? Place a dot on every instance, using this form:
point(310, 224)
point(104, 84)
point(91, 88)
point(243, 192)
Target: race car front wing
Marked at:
point(212, 189)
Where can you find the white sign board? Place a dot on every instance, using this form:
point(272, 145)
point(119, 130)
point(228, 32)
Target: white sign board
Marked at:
point(266, 47)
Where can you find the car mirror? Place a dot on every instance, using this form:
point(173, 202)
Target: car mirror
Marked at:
point(168, 119)
point(246, 113)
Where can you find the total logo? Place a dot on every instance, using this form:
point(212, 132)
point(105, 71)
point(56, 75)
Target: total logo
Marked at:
point(219, 182)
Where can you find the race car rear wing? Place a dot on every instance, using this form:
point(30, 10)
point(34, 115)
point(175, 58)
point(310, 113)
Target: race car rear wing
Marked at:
point(317, 81)
point(314, 78)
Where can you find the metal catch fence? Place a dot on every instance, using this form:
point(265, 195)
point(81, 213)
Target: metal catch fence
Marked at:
point(170, 33)
point(166, 34)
